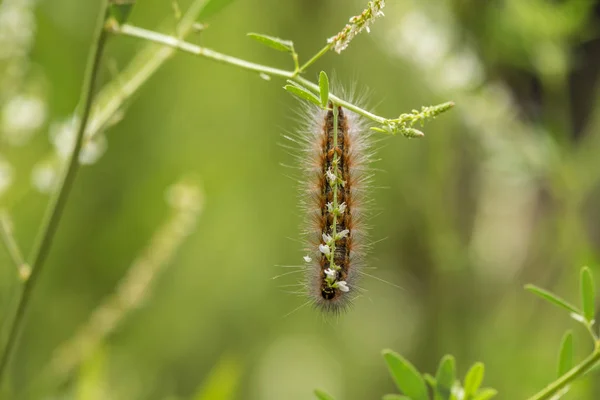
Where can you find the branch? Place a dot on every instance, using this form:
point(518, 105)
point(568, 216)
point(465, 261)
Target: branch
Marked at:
point(389, 125)
point(58, 201)
point(576, 372)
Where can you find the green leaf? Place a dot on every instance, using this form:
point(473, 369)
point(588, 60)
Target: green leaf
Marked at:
point(406, 376)
point(395, 397)
point(273, 42)
point(552, 298)
point(303, 94)
point(473, 380)
point(324, 88)
point(485, 394)
point(445, 377)
point(120, 10)
point(565, 357)
point(321, 395)
point(588, 294)
point(212, 7)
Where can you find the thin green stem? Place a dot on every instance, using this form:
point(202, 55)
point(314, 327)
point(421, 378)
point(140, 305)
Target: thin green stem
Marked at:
point(173, 42)
point(310, 62)
point(58, 201)
point(156, 37)
point(10, 243)
point(576, 372)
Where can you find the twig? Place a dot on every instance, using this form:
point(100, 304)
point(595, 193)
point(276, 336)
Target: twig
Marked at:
point(179, 44)
point(58, 201)
point(579, 370)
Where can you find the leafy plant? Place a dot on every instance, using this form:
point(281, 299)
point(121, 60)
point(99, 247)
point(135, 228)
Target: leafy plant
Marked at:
point(445, 386)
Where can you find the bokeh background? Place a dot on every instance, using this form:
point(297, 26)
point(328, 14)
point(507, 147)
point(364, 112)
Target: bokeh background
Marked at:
point(502, 191)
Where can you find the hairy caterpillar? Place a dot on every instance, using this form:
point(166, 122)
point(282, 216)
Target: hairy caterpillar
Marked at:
point(335, 159)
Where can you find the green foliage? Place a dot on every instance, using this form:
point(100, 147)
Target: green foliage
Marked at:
point(303, 93)
point(565, 357)
point(588, 295)
point(324, 89)
point(273, 42)
point(473, 381)
point(445, 378)
point(405, 375)
point(444, 386)
point(566, 371)
point(588, 300)
point(552, 298)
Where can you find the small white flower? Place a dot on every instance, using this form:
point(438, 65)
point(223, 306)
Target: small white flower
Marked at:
point(324, 249)
point(342, 285)
point(327, 239)
point(356, 25)
point(331, 274)
point(329, 207)
point(342, 208)
point(307, 259)
point(331, 177)
point(342, 234)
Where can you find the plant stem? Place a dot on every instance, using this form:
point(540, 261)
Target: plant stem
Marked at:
point(171, 41)
point(58, 201)
point(576, 372)
point(314, 58)
point(156, 37)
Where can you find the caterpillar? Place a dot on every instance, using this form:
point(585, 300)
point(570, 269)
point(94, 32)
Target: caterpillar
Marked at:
point(335, 162)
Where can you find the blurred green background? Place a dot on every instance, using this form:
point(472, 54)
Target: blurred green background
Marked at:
point(502, 191)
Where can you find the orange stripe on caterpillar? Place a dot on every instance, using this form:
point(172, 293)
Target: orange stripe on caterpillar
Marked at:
point(335, 184)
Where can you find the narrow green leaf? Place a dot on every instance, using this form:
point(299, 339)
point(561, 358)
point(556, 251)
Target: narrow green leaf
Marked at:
point(321, 395)
point(120, 10)
point(212, 7)
point(485, 394)
point(395, 397)
point(303, 94)
point(445, 377)
point(273, 42)
point(324, 88)
point(588, 294)
point(406, 376)
point(473, 380)
point(377, 129)
point(552, 298)
point(565, 357)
